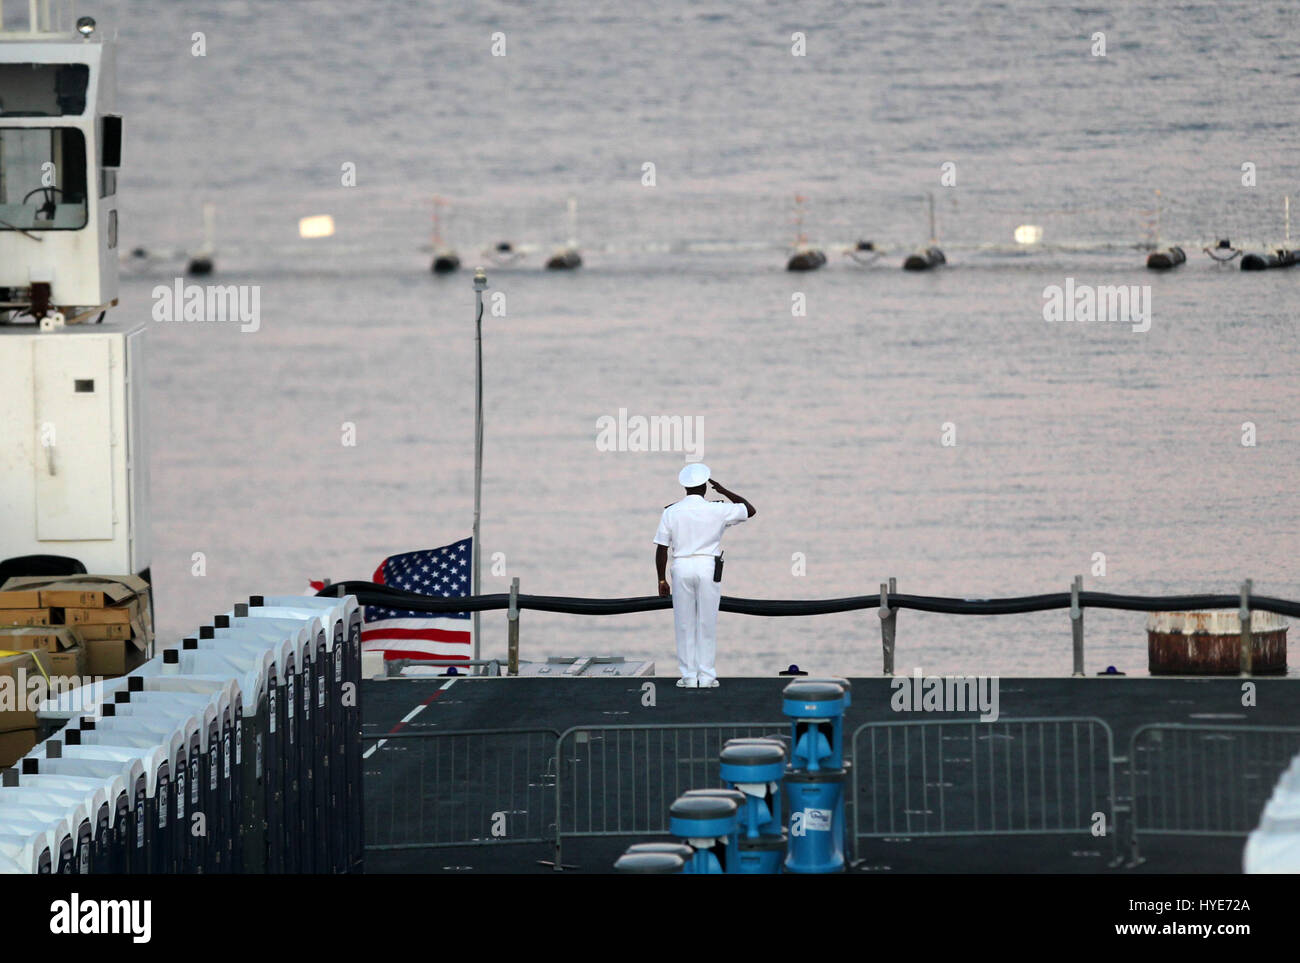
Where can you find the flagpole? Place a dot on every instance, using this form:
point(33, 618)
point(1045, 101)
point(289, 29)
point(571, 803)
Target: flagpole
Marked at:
point(480, 285)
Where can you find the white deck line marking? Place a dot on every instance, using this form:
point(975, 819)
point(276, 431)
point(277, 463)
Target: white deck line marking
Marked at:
point(407, 718)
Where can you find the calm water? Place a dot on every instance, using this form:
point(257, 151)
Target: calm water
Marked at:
point(1072, 439)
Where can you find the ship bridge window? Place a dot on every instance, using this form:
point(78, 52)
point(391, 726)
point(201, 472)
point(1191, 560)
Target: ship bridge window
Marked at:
point(43, 90)
point(42, 179)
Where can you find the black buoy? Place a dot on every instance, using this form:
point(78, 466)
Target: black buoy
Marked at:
point(865, 246)
point(445, 262)
point(806, 259)
point(924, 259)
point(504, 247)
point(204, 262)
point(1270, 259)
point(565, 259)
point(1170, 257)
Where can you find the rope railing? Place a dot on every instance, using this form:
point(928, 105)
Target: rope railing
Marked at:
point(370, 593)
point(887, 602)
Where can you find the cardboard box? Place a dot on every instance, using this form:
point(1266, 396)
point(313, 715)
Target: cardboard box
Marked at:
point(36, 673)
point(51, 638)
point(120, 630)
point(81, 591)
point(14, 599)
point(15, 669)
point(67, 664)
point(109, 616)
point(15, 745)
point(117, 597)
point(27, 617)
point(112, 657)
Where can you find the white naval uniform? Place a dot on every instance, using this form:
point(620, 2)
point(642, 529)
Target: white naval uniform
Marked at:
point(692, 530)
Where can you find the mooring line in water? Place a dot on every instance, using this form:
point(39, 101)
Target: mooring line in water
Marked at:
point(409, 716)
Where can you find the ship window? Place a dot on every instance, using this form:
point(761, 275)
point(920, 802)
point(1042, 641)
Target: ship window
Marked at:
point(43, 90)
point(42, 179)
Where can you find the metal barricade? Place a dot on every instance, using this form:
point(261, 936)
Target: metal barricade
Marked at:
point(1204, 780)
point(621, 780)
point(425, 790)
point(1033, 776)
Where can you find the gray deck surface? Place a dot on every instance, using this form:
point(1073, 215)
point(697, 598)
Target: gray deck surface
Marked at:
point(417, 789)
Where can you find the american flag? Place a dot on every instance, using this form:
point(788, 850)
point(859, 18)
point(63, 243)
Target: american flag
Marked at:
point(402, 634)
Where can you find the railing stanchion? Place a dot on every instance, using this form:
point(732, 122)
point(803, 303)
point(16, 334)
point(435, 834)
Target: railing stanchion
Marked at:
point(1076, 623)
point(1247, 646)
point(512, 629)
point(888, 624)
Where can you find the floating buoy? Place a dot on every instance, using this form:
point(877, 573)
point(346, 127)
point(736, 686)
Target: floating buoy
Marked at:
point(445, 262)
point(1269, 259)
point(864, 252)
point(924, 259)
point(565, 259)
point(204, 261)
point(503, 253)
point(445, 259)
point(1223, 252)
point(1279, 257)
point(1170, 257)
point(805, 259)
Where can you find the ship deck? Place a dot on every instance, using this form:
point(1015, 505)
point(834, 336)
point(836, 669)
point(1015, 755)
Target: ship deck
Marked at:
point(438, 705)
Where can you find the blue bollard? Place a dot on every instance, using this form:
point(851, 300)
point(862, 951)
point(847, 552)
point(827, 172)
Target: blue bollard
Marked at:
point(756, 767)
point(814, 785)
point(706, 822)
point(816, 801)
point(817, 729)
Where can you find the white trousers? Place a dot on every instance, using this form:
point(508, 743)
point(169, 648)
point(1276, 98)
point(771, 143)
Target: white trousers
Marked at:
point(695, 617)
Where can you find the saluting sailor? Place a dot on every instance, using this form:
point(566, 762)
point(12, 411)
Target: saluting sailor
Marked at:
point(692, 530)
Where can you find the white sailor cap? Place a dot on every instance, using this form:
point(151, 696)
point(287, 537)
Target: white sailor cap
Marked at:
point(694, 474)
